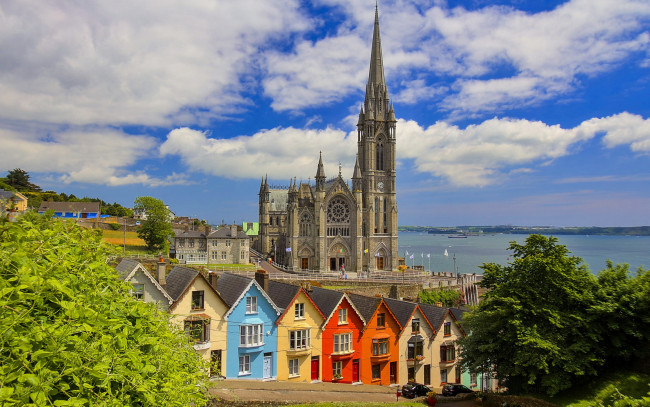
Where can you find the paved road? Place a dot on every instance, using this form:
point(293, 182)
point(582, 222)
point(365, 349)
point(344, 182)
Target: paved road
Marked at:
point(249, 390)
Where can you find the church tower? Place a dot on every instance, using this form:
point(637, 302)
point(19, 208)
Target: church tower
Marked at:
point(376, 155)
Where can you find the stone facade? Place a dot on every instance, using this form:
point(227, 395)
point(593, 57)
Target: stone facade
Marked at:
point(227, 245)
point(330, 224)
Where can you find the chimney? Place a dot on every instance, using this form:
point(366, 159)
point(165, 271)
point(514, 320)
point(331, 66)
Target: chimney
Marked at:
point(438, 304)
point(212, 279)
point(162, 271)
point(393, 292)
point(208, 229)
point(233, 230)
point(262, 278)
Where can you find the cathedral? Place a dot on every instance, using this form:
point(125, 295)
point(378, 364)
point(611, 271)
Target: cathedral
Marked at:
point(331, 224)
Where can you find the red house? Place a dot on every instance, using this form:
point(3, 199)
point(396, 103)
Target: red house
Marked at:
point(341, 336)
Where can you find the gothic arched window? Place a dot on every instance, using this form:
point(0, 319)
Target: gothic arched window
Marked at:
point(338, 218)
point(379, 152)
point(305, 224)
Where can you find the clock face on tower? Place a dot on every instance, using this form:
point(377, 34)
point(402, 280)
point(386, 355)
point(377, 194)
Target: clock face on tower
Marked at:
point(380, 186)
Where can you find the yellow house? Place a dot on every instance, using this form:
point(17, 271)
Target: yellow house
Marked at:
point(199, 310)
point(299, 333)
point(415, 342)
point(445, 366)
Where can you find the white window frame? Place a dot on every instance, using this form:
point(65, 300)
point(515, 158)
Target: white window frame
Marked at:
point(299, 311)
point(244, 365)
point(343, 343)
point(251, 305)
point(294, 368)
point(337, 370)
point(251, 335)
point(227, 242)
point(343, 316)
point(300, 339)
point(223, 255)
point(138, 291)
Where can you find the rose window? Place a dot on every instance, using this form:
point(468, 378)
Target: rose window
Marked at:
point(338, 211)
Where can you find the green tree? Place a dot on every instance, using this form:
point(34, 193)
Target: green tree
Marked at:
point(534, 325)
point(19, 179)
point(448, 297)
point(157, 227)
point(70, 333)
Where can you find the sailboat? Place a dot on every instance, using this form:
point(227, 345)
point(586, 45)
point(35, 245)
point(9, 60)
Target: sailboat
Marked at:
point(446, 254)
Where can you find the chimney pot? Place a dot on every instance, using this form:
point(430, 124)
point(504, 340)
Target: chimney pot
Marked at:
point(262, 278)
point(212, 279)
point(162, 271)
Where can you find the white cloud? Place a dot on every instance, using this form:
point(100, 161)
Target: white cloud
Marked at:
point(122, 62)
point(95, 156)
point(282, 153)
point(497, 57)
point(621, 129)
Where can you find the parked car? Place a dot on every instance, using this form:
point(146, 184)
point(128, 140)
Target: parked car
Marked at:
point(412, 389)
point(452, 389)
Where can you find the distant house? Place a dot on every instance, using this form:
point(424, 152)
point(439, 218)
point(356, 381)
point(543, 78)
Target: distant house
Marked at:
point(141, 214)
point(12, 203)
point(72, 210)
point(144, 286)
point(227, 245)
point(199, 310)
point(252, 333)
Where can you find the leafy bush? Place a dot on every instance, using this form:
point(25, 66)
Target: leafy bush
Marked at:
point(115, 226)
point(70, 333)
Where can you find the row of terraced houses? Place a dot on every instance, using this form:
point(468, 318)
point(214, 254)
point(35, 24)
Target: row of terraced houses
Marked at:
point(257, 328)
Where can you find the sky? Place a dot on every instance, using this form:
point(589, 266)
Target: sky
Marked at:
point(520, 112)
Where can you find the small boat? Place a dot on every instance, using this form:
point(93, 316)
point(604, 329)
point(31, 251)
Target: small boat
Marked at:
point(460, 236)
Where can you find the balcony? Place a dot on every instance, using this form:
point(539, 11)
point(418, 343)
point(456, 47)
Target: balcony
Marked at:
point(419, 359)
point(380, 358)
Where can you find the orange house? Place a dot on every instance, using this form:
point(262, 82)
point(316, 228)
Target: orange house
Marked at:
point(379, 341)
point(342, 328)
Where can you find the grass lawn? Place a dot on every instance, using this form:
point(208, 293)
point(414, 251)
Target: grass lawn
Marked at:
point(359, 404)
point(605, 389)
point(116, 237)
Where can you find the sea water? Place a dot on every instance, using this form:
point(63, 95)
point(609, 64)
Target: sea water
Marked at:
point(428, 250)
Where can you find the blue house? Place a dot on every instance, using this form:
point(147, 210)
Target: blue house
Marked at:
point(252, 336)
point(72, 210)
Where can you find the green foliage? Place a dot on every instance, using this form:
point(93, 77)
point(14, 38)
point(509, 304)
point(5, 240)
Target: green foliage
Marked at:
point(70, 333)
point(19, 179)
point(448, 297)
point(115, 226)
point(156, 229)
point(614, 388)
point(557, 321)
point(537, 308)
point(116, 209)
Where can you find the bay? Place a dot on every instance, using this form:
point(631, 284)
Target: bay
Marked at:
point(428, 250)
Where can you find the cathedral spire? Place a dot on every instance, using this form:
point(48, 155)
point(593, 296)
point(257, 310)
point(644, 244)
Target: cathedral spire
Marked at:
point(376, 74)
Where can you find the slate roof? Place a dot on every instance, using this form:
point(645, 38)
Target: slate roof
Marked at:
point(83, 207)
point(458, 313)
point(6, 194)
point(282, 293)
point(191, 233)
point(125, 267)
point(325, 300)
point(435, 315)
point(403, 310)
point(365, 305)
point(178, 280)
point(227, 232)
point(231, 286)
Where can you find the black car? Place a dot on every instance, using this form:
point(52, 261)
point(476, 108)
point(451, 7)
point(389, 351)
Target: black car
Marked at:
point(411, 390)
point(454, 389)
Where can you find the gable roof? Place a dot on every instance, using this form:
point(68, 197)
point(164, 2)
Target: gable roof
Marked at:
point(127, 269)
point(282, 294)
point(69, 206)
point(404, 310)
point(233, 287)
point(436, 315)
point(329, 300)
point(226, 232)
point(180, 279)
point(365, 305)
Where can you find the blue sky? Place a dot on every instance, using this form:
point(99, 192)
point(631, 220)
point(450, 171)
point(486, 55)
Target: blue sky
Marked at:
point(509, 112)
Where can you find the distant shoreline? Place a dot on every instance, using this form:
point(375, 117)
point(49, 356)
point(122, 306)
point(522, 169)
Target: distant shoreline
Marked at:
point(519, 230)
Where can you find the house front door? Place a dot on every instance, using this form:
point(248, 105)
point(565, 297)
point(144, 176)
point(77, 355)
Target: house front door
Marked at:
point(314, 368)
point(355, 370)
point(268, 365)
point(393, 372)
